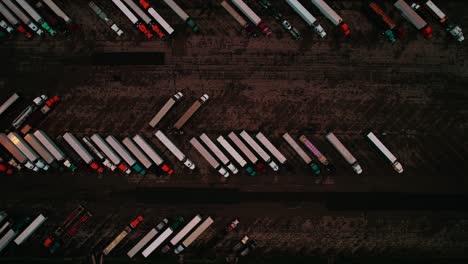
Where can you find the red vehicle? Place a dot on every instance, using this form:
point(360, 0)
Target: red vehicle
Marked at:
point(6, 168)
point(72, 231)
point(68, 221)
point(233, 225)
point(136, 222)
point(38, 115)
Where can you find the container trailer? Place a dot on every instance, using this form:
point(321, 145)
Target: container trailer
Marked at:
point(16, 153)
point(30, 229)
point(135, 21)
point(195, 234)
point(218, 153)
point(208, 157)
point(174, 150)
point(386, 152)
point(184, 16)
point(60, 13)
point(418, 22)
point(308, 160)
point(24, 147)
point(8, 103)
point(165, 109)
point(235, 155)
point(36, 17)
point(138, 153)
point(325, 162)
point(23, 17)
point(125, 154)
point(41, 150)
point(82, 152)
point(252, 16)
point(248, 27)
point(344, 152)
point(110, 153)
point(307, 17)
point(152, 154)
point(329, 13)
point(103, 16)
point(157, 242)
point(185, 230)
point(99, 154)
point(260, 151)
point(162, 22)
point(12, 233)
point(127, 230)
point(145, 18)
point(190, 112)
point(270, 147)
point(243, 148)
point(147, 238)
point(50, 145)
point(14, 21)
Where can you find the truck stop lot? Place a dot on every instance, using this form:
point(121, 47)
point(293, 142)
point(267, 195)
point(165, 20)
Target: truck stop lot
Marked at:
point(412, 95)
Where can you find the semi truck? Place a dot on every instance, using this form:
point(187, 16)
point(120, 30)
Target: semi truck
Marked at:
point(30, 229)
point(286, 25)
point(103, 16)
point(60, 13)
point(153, 155)
point(252, 16)
point(145, 18)
point(324, 160)
point(135, 21)
point(185, 230)
point(196, 233)
point(110, 153)
point(26, 113)
point(41, 150)
point(147, 238)
point(386, 152)
point(165, 109)
point(248, 27)
point(39, 114)
point(418, 22)
point(53, 20)
point(23, 17)
point(190, 112)
point(14, 21)
point(82, 152)
point(376, 13)
point(270, 147)
point(99, 154)
point(174, 150)
point(184, 16)
point(454, 30)
point(308, 160)
point(218, 153)
point(16, 153)
point(24, 147)
point(36, 17)
point(50, 145)
point(51, 241)
point(162, 22)
point(126, 155)
point(260, 151)
point(235, 155)
point(8, 103)
point(336, 143)
point(157, 242)
point(307, 17)
point(9, 29)
point(243, 148)
point(208, 157)
point(127, 230)
point(138, 153)
point(329, 13)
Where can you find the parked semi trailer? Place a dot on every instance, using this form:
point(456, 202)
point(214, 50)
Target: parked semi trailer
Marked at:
point(145, 5)
point(185, 230)
point(308, 160)
point(386, 152)
point(329, 13)
point(14, 21)
point(181, 13)
point(236, 156)
point(174, 150)
point(16, 153)
point(30, 229)
point(147, 238)
point(8, 103)
point(307, 17)
point(23, 17)
point(376, 13)
point(135, 21)
point(48, 15)
point(24, 147)
point(41, 150)
point(9, 29)
point(50, 145)
point(85, 156)
point(286, 25)
point(12, 233)
point(418, 22)
point(208, 157)
point(99, 154)
point(157, 242)
point(153, 155)
point(60, 13)
point(110, 153)
point(126, 155)
point(244, 149)
point(190, 112)
point(252, 16)
point(344, 152)
point(325, 162)
point(248, 27)
point(36, 17)
point(127, 230)
point(39, 114)
point(454, 30)
point(194, 235)
point(145, 18)
point(218, 153)
point(103, 16)
point(138, 153)
point(260, 151)
point(165, 109)
point(270, 147)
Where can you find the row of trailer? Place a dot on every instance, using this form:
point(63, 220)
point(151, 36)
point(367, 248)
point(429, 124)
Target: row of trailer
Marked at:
point(17, 232)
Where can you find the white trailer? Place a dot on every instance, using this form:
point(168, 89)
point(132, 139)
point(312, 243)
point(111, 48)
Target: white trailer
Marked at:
point(161, 21)
point(9, 102)
point(14, 21)
point(386, 152)
point(145, 17)
point(435, 11)
point(24, 147)
point(103, 16)
point(99, 154)
point(135, 21)
point(23, 17)
point(174, 150)
point(230, 149)
point(110, 153)
point(413, 17)
point(76, 145)
point(50, 145)
point(4, 226)
point(165, 109)
point(329, 13)
point(261, 152)
point(59, 12)
point(344, 152)
point(307, 17)
point(196, 233)
point(185, 230)
point(218, 153)
point(40, 149)
point(137, 152)
point(125, 154)
point(30, 229)
point(190, 112)
point(16, 153)
point(252, 16)
point(157, 242)
point(247, 152)
point(7, 238)
point(270, 147)
point(293, 144)
point(147, 238)
point(211, 160)
point(245, 25)
point(152, 154)
point(184, 16)
point(32, 13)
